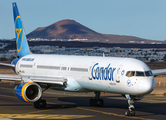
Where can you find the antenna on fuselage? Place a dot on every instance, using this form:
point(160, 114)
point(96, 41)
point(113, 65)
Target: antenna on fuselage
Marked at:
point(103, 54)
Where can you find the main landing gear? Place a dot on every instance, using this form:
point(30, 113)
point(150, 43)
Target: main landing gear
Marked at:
point(97, 101)
point(130, 111)
point(41, 103)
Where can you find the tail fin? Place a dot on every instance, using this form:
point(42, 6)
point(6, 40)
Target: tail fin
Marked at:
point(21, 41)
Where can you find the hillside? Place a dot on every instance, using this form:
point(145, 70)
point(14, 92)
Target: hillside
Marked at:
point(70, 29)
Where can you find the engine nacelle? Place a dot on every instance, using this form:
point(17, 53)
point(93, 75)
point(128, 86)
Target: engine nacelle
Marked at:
point(28, 92)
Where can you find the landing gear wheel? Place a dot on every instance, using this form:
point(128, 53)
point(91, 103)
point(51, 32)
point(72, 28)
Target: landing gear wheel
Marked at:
point(130, 113)
point(91, 102)
point(36, 104)
point(43, 104)
point(127, 113)
point(101, 102)
point(133, 113)
point(39, 104)
point(96, 103)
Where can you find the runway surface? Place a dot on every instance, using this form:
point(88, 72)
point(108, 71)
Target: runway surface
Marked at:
point(71, 105)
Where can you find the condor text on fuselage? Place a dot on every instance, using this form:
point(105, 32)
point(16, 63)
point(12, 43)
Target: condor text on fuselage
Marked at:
point(102, 73)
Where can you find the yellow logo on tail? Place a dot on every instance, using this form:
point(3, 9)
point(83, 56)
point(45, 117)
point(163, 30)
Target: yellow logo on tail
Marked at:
point(18, 32)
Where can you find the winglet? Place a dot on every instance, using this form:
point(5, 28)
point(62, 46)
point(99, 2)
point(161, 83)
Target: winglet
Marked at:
point(21, 41)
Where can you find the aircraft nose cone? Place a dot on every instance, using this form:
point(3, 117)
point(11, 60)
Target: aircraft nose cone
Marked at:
point(146, 86)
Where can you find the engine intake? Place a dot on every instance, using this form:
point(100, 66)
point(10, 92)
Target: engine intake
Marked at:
point(28, 92)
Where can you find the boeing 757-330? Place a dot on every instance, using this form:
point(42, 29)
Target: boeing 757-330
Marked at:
point(36, 73)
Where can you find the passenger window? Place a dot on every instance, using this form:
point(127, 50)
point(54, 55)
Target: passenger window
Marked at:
point(128, 74)
point(148, 73)
point(140, 73)
point(132, 73)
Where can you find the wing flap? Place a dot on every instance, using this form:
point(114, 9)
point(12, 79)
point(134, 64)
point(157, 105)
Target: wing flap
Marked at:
point(10, 77)
point(50, 80)
point(38, 79)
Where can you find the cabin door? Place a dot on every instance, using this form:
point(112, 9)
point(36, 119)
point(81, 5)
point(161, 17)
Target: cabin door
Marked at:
point(119, 74)
point(90, 70)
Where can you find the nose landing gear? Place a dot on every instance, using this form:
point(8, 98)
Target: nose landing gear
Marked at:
point(130, 111)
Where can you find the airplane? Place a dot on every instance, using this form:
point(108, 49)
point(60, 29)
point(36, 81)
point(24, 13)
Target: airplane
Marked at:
point(36, 73)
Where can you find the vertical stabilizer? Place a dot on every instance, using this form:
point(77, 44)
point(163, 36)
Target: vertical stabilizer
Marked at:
point(21, 41)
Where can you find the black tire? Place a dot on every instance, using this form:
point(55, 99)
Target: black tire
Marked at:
point(127, 113)
point(43, 105)
point(36, 105)
point(39, 104)
point(96, 103)
point(91, 102)
point(101, 102)
point(133, 113)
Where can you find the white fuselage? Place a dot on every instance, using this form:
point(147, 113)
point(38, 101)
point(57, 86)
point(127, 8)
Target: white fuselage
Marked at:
point(86, 73)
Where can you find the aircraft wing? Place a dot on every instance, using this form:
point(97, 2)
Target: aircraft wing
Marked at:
point(159, 72)
point(6, 64)
point(37, 79)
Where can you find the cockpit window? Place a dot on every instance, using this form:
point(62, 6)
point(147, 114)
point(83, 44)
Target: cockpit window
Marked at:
point(138, 73)
point(128, 74)
point(148, 73)
point(132, 73)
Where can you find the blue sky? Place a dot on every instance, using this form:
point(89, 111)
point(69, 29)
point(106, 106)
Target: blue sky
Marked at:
point(140, 18)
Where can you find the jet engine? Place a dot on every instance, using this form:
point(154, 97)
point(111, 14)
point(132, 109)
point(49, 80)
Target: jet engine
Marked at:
point(28, 92)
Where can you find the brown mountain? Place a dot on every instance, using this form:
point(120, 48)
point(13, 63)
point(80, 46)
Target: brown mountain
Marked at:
point(65, 29)
point(70, 29)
